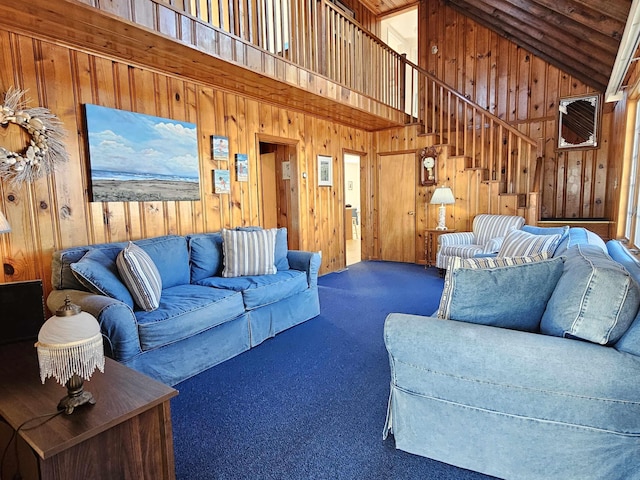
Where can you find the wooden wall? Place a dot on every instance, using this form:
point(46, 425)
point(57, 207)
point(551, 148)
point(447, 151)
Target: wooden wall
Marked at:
point(55, 212)
point(523, 90)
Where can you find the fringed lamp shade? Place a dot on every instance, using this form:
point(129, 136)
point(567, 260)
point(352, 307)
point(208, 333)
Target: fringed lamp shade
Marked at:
point(70, 348)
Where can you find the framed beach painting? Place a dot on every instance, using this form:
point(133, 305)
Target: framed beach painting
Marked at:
point(242, 167)
point(141, 158)
point(325, 171)
point(221, 181)
point(219, 147)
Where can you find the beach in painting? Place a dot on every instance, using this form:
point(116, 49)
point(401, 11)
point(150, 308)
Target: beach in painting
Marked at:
point(144, 190)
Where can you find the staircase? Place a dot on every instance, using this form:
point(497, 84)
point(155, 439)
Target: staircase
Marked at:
point(490, 166)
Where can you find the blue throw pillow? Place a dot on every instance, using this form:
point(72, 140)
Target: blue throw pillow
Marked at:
point(512, 296)
point(99, 274)
point(596, 299)
point(205, 253)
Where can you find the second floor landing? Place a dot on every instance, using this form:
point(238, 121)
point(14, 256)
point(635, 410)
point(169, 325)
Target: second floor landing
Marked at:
point(157, 36)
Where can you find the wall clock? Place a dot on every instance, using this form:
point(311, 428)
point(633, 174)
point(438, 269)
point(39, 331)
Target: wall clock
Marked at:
point(427, 159)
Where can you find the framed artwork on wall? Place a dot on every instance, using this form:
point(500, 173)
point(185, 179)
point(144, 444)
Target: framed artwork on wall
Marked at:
point(221, 181)
point(242, 167)
point(141, 158)
point(325, 171)
point(219, 147)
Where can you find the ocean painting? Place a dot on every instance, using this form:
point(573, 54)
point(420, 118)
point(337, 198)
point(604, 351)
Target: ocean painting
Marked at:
point(141, 158)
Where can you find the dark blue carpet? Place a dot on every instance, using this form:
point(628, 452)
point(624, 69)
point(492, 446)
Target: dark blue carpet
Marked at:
point(311, 402)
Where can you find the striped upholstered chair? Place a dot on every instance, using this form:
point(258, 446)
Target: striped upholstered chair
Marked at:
point(488, 233)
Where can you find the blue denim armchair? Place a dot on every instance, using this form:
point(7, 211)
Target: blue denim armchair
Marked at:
point(517, 404)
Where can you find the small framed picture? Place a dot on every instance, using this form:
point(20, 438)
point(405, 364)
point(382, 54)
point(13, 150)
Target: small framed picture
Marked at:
point(325, 171)
point(221, 181)
point(219, 147)
point(242, 167)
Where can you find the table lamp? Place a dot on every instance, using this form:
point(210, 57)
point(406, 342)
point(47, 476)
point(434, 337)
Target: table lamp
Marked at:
point(443, 196)
point(69, 349)
point(4, 224)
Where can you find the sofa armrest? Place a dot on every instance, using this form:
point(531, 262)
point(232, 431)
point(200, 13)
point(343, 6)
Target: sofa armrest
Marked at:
point(117, 321)
point(459, 238)
point(308, 262)
point(515, 366)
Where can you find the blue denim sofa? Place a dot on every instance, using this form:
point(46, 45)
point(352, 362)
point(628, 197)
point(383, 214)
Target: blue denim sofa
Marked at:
point(203, 318)
point(523, 404)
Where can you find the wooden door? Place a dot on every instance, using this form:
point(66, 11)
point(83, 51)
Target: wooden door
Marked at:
point(269, 183)
point(397, 194)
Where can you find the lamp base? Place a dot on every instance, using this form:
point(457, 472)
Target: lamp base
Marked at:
point(442, 214)
point(76, 396)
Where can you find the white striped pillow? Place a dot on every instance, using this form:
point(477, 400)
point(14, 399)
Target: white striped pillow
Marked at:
point(141, 276)
point(519, 243)
point(249, 252)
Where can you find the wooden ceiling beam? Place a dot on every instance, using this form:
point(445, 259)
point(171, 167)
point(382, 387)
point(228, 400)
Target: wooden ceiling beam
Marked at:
point(616, 9)
point(564, 43)
point(579, 65)
point(598, 20)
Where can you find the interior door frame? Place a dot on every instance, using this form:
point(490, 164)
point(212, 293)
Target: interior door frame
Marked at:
point(292, 193)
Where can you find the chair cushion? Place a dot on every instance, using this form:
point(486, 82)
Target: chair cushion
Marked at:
point(248, 252)
point(502, 292)
point(519, 243)
point(261, 290)
point(141, 276)
point(596, 299)
point(463, 251)
point(184, 311)
point(99, 274)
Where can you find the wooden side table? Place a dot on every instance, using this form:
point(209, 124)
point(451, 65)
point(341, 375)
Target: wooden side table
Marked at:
point(431, 245)
point(127, 434)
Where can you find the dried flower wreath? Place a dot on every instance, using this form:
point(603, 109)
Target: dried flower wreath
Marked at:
point(45, 148)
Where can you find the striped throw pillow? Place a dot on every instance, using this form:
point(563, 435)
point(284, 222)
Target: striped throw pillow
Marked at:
point(141, 276)
point(456, 263)
point(249, 252)
point(519, 243)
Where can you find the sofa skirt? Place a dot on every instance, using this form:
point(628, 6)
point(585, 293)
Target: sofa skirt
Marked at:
point(508, 446)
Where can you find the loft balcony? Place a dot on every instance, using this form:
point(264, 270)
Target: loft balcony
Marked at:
point(278, 56)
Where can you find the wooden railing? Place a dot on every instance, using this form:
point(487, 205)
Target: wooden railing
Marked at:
point(320, 37)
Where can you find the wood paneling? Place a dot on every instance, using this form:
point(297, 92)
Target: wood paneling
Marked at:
point(55, 212)
point(523, 90)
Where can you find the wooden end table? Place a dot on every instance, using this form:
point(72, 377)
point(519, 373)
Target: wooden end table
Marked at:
point(127, 434)
point(431, 245)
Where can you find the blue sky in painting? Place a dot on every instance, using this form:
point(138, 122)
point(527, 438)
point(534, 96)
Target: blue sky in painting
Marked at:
point(128, 144)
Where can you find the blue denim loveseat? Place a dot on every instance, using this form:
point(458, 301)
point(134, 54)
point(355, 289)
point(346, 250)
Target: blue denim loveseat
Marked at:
point(557, 399)
point(203, 318)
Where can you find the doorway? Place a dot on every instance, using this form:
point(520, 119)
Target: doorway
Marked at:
point(397, 201)
point(352, 211)
point(278, 188)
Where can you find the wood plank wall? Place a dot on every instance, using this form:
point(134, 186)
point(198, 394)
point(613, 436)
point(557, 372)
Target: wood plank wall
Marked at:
point(523, 90)
point(55, 212)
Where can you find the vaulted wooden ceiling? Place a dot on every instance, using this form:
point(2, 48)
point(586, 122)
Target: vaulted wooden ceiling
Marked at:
point(581, 37)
